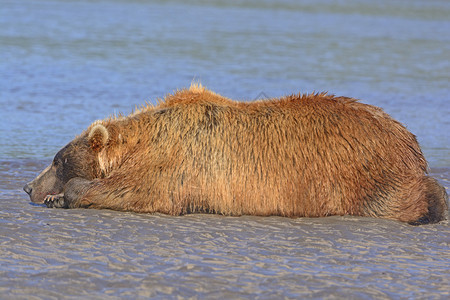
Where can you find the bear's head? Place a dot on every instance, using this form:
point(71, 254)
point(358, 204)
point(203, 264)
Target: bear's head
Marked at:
point(79, 158)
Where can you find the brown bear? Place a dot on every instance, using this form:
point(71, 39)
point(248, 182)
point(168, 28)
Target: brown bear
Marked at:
point(198, 152)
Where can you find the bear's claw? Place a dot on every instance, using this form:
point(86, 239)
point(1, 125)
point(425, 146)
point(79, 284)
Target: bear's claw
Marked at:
point(55, 201)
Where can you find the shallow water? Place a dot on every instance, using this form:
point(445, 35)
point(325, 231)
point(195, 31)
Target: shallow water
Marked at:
point(67, 63)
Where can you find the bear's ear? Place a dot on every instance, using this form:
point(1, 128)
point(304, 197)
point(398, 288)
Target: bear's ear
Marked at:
point(98, 137)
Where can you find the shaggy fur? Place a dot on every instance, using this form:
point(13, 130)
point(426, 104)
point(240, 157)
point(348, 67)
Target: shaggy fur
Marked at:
point(299, 156)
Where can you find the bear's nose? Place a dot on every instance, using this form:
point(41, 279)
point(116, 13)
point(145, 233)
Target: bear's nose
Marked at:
point(27, 189)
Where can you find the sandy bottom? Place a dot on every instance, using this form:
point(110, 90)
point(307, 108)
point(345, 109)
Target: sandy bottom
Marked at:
point(98, 254)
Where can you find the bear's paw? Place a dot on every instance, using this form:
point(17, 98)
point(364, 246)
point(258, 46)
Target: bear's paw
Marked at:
point(55, 201)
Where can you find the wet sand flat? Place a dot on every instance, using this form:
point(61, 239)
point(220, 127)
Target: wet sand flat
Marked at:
point(57, 254)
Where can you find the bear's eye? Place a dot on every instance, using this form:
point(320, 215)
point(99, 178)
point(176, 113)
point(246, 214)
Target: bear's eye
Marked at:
point(57, 162)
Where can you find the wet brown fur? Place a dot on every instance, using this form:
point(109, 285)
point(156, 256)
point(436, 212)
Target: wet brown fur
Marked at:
point(298, 156)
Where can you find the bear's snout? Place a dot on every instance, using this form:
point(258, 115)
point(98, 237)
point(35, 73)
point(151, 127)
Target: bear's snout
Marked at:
point(27, 188)
point(46, 183)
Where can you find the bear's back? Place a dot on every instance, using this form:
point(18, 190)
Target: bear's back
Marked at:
point(325, 152)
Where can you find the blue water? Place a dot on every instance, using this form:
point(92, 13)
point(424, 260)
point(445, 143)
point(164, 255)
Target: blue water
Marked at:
point(67, 63)
point(64, 64)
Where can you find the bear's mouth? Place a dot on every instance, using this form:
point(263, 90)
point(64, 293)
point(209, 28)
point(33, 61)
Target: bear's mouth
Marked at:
point(36, 197)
